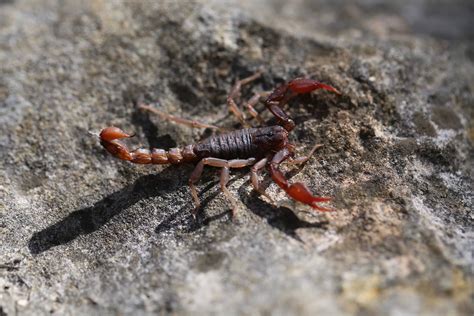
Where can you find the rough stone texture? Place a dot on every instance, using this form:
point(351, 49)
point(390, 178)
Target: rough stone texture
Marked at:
point(83, 233)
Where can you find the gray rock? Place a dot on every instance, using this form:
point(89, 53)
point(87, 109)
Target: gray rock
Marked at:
point(83, 233)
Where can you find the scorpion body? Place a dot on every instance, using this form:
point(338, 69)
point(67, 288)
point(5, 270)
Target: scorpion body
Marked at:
point(255, 147)
point(240, 144)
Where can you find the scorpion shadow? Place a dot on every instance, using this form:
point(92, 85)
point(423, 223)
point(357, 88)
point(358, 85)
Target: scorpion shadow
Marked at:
point(281, 218)
point(89, 219)
point(184, 218)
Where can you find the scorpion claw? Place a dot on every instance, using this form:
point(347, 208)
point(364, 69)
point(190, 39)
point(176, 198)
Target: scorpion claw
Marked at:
point(282, 94)
point(297, 191)
point(301, 193)
point(302, 85)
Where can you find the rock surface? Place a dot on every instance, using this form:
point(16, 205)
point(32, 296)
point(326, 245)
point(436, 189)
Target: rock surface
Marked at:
point(83, 233)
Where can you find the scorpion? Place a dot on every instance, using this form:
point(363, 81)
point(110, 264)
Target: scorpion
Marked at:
point(255, 147)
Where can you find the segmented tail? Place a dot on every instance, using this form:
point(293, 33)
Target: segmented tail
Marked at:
point(110, 140)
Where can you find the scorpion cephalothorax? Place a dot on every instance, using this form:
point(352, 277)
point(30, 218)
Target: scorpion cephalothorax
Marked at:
point(255, 147)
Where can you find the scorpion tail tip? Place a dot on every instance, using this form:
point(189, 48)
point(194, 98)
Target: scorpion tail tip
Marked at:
point(111, 133)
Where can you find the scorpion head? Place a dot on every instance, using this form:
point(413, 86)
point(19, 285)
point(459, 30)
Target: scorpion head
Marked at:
point(270, 138)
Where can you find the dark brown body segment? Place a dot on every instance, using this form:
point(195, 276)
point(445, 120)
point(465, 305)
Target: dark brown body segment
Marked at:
point(245, 143)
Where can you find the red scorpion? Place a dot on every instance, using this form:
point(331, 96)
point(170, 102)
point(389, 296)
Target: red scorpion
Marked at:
point(256, 147)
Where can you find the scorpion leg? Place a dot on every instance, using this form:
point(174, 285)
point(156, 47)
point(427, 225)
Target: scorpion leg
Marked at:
point(178, 120)
point(254, 177)
point(223, 182)
point(298, 191)
point(235, 92)
point(303, 159)
point(250, 106)
point(225, 165)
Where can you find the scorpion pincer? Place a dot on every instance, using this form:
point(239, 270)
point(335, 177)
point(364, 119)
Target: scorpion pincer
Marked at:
point(248, 147)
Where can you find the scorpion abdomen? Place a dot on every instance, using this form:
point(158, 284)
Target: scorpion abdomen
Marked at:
point(244, 143)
